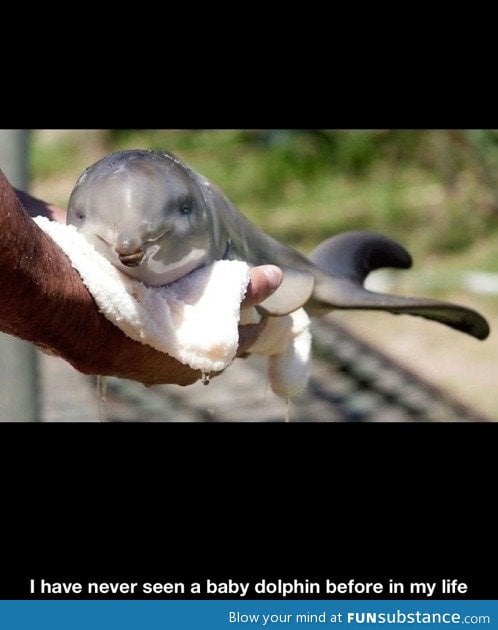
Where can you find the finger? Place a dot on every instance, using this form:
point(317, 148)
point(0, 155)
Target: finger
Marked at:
point(248, 335)
point(265, 279)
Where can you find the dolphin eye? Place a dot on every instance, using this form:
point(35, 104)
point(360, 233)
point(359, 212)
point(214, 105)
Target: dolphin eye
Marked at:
point(80, 215)
point(186, 207)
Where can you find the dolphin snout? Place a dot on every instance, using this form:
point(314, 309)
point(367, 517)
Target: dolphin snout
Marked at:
point(131, 260)
point(129, 249)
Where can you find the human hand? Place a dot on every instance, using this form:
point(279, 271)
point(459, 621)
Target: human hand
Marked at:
point(265, 279)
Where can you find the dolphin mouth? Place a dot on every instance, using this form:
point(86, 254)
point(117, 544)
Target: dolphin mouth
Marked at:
point(131, 260)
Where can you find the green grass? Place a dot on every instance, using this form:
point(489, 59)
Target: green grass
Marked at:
point(54, 158)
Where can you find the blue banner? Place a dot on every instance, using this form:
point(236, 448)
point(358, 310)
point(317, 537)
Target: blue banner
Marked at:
point(241, 615)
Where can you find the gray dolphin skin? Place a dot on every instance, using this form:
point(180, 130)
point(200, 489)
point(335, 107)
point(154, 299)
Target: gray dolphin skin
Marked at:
point(157, 219)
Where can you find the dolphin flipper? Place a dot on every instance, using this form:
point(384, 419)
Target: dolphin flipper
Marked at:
point(350, 256)
point(295, 290)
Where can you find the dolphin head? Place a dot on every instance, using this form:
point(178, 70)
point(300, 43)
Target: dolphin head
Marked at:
point(146, 213)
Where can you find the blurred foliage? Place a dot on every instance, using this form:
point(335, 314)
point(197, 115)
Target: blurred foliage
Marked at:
point(435, 190)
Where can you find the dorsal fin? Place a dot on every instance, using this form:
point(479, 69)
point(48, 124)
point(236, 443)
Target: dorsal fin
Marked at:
point(295, 290)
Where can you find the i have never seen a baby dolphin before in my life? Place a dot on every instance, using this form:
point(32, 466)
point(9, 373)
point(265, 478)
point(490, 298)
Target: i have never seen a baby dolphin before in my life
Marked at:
point(157, 219)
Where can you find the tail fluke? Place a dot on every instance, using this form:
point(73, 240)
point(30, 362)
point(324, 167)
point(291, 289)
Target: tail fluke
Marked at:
point(349, 257)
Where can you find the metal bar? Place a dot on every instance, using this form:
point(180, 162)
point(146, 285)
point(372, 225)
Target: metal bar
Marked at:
point(19, 390)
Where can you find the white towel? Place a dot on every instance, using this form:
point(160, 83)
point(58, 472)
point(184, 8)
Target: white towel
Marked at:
point(194, 319)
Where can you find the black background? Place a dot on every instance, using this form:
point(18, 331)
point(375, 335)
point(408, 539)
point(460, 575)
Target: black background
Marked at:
point(187, 502)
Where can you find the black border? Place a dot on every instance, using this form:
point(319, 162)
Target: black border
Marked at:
point(180, 501)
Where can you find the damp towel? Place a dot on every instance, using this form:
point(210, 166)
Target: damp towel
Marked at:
point(194, 319)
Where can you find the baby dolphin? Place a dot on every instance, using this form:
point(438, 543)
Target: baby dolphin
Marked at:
point(157, 219)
